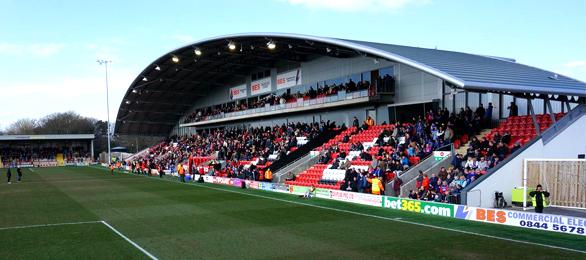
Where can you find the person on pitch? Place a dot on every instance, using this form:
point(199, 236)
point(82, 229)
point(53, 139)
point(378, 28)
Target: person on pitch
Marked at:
point(18, 174)
point(8, 175)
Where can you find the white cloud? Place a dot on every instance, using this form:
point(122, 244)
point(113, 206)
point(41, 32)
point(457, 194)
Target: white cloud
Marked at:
point(356, 5)
point(84, 94)
point(37, 50)
point(575, 64)
point(9, 48)
point(45, 50)
point(77, 84)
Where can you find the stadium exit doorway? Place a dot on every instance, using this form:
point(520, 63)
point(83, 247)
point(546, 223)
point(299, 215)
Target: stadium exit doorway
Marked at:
point(371, 113)
point(408, 112)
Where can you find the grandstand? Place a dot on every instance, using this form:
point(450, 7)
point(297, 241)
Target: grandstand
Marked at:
point(289, 113)
point(488, 108)
point(46, 150)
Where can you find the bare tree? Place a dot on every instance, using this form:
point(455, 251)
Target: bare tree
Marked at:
point(25, 126)
point(66, 123)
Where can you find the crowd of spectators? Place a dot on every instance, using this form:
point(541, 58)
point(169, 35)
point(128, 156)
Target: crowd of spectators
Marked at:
point(231, 146)
point(481, 155)
point(420, 138)
point(389, 155)
point(397, 148)
point(274, 99)
point(446, 185)
point(28, 154)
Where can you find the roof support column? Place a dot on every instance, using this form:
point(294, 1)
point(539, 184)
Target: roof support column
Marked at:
point(443, 94)
point(533, 117)
point(551, 114)
point(568, 105)
point(92, 149)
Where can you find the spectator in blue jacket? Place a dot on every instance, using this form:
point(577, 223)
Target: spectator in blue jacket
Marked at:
point(362, 182)
point(377, 172)
point(433, 182)
point(457, 161)
point(405, 162)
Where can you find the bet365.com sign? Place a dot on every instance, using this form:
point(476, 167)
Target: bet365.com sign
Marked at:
point(418, 206)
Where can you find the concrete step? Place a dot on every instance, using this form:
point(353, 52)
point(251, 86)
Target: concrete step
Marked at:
point(464, 147)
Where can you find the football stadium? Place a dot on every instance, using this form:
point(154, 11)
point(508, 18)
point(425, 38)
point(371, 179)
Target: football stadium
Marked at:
point(342, 134)
point(296, 146)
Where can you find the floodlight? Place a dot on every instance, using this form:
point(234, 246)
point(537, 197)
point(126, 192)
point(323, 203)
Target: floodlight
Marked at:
point(231, 46)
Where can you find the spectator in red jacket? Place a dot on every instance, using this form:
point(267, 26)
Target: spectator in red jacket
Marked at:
point(419, 180)
point(397, 185)
point(425, 182)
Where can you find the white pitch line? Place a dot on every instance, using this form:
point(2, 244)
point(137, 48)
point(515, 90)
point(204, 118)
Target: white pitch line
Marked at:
point(72, 180)
point(130, 241)
point(86, 222)
point(50, 225)
point(381, 217)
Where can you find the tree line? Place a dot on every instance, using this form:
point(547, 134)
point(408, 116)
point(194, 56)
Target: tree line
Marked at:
point(57, 123)
point(73, 123)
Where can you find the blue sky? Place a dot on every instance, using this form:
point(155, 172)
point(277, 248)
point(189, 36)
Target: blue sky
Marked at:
point(48, 49)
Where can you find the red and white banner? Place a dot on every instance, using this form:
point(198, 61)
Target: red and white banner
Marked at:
point(260, 86)
point(238, 92)
point(289, 79)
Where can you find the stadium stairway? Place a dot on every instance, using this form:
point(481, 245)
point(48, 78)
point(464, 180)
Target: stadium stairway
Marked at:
point(367, 138)
point(463, 142)
point(60, 160)
point(295, 167)
point(428, 166)
point(137, 155)
point(319, 175)
point(318, 141)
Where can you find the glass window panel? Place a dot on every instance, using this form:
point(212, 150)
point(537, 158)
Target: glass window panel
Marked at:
point(366, 76)
point(386, 71)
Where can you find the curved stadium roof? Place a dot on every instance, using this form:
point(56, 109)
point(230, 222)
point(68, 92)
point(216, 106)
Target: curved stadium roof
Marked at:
point(165, 90)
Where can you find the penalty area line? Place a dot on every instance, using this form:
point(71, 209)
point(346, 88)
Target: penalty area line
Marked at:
point(151, 256)
point(51, 225)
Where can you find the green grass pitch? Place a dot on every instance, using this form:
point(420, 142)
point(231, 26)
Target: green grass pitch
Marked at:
point(171, 220)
